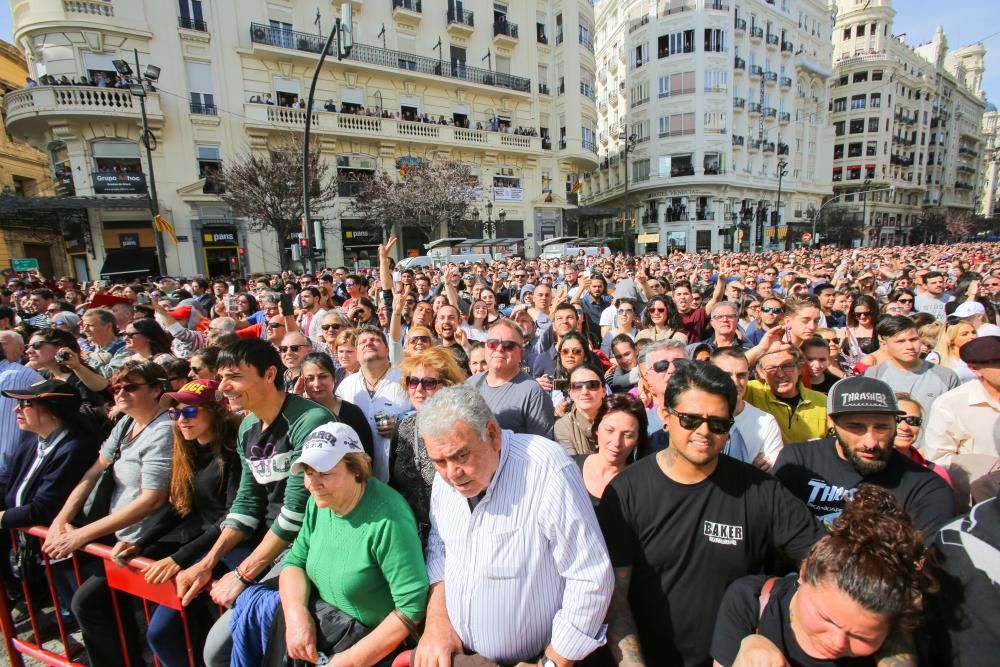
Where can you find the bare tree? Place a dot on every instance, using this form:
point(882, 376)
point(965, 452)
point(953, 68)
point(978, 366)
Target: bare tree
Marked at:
point(266, 189)
point(423, 196)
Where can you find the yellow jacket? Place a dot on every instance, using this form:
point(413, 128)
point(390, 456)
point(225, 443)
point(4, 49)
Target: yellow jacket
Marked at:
point(807, 422)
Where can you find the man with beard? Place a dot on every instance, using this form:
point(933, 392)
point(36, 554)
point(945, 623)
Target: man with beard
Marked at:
point(862, 414)
point(448, 327)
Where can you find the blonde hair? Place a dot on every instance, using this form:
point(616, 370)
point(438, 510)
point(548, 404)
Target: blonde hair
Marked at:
point(419, 329)
point(346, 337)
point(360, 465)
point(441, 359)
point(945, 347)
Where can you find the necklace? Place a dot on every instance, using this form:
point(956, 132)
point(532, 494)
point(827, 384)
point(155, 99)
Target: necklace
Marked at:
point(372, 387)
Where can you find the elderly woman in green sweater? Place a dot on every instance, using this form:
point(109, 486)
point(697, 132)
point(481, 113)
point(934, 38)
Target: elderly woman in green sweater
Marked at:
point(356, 567)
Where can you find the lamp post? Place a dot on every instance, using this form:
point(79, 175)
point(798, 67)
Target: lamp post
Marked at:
point(489, 225)
point(864, 207)
point(630, 142)
point(782, 172)
point(137, 86)
point(891, 190)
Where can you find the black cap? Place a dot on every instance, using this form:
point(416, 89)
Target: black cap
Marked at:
point(55, 393)
point(860, 394)
point(982, 350)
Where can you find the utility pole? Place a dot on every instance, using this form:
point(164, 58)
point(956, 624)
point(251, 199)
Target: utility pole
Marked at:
point(630, 141)
point(864, 208)
point(782, 172)
point(138, 89)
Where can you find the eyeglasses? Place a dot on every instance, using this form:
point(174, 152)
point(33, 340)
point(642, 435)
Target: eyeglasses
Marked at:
point(506, 345)
point(626, 310)
point(132, 334)
point(128, 387)
point(790, 367)
point(724, 317)
point(188, 412)
point(38, 344)
point(657, 311)
point(662, 366)
point(420, 340)
point(777, 310)
point(905, 300)
point(862, 313)
point(591, 385)
point(575, 351)
point(23, 403)
point(429, 384)
point(275, 325)
point(912, 421)
point(328, 327)
point(689, 422)
point(289, 348)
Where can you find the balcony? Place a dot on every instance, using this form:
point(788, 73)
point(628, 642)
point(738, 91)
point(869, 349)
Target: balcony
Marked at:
point(772, 41)
point(754, 108)
point(638, 23)
point(741, 25)
point(29, 111)
point(587, 91)
point(768, 146)
point(756, 71)
point(204, 109)
point(716, 6)
point(739, 103)
point(756, 34)
point(189, 23)
point(543, 89)
point(589, 145)
point(784, 117)
point(386, 58)
point(785, 82)
point(504, 33)
point(461, 23)
point(89, 7)
point(738, 141)
point(739, 63)
point(782, 148)
point(787, 47)
point(407, 11)
point(770, 77)
point(769, 112)
point(754, 144)
point(374, 128)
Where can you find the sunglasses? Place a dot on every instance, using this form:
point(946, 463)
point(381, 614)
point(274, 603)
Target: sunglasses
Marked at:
point(328, 327)
point(576, 351)
point(132, 334)
point(689, 422)
point(862, 313)
point(349, 283)
point(506, 345)
point(289, 348)
point(23, 403)
point(777, 310)
point(429, 384)
point(128, 387)
point(662, 366)
point(657, 311)
point(59, 323)
point(188, 412)
point(592, 385)
point(912, 421)
point(905, 300)
point(626, 310)
point(38, 345)
point(275, 325)
point(420, 340)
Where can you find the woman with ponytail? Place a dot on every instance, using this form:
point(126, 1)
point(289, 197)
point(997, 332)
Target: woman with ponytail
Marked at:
point(857, 597)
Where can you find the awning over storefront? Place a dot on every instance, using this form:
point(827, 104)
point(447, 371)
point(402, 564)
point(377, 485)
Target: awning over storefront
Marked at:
point(41, 203)
point(119, 262)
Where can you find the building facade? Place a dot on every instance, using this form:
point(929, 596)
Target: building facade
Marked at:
point(723, 108)
point(907, 125)
point(989, 193)
point(512, 68)
point(24, 174)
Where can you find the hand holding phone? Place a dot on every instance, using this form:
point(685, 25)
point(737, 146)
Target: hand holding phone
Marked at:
point(287, 309)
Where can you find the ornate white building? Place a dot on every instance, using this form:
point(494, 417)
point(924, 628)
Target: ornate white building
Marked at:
point(989, 193)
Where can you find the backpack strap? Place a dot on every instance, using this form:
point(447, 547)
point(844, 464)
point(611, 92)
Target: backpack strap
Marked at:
point(765, 597)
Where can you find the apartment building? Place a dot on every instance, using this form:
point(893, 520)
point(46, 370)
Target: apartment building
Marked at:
point(989, 192)
point(723, 108)
point(523, 72)
point(907, 124)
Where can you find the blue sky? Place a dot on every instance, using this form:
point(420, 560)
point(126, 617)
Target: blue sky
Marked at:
point(964, 22)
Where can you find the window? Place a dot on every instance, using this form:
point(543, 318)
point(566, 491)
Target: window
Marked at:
point(857, 126)
point(838, 151)
point(840, 104)
point(640, 170)
point(871, 149)
point(870, 171)
point(716, 81)
point(860, 31)
point(641, 130)
point(847, 33)
point(858, 101)
point(209, 160)
point(116, 157)
point(853, 173)
point(715, 120)
point(838, 128)
point(674, 43)
point(640, 93)
point(876, 75)
point(838, 174)
point(191, 15)
point(200, 83)
point(876, 100)
point(681, 83)
point(678, 124)
point(873, 124)
point(860, 77)
point(681, 165)
point(639, 56)
point(715, 40)
point(854, 149)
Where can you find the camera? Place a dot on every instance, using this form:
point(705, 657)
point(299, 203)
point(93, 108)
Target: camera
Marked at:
point(560, 384)
point(62, 357)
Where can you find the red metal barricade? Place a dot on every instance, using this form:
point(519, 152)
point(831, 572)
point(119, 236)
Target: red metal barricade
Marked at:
point(126, 579)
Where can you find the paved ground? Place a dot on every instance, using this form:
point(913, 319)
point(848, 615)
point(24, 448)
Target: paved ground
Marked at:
point(49, 632)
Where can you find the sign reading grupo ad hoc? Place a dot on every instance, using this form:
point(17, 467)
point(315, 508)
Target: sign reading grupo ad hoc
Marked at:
point(120, 184)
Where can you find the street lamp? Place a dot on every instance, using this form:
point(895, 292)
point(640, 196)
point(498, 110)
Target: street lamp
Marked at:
point(630, 142)
point(864, 207)
point(138, 86)
point(489, 225)
point(782, 172)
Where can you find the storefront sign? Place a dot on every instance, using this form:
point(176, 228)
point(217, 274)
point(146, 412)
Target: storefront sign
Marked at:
point(128, 240)
point(219, 236)
point(120, 184)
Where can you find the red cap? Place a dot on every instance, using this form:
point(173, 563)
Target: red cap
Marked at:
point(197, 392)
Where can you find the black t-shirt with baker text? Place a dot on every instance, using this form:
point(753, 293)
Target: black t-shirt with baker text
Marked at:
point(816, 474)
point(686, 543)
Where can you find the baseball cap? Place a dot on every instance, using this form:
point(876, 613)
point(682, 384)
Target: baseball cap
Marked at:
point(326, 446)
point(981, 350)
point(969, 309)
point(57, 394)
point(860, 394)
point(197, 392)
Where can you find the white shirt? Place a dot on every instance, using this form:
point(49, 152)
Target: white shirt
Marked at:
point(528, 566)
point(962, 421)
point(389, 397)
point(761, 434)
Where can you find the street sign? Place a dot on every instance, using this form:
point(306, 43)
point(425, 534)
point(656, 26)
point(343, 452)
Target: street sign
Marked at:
point(27, 264)
point(807, 237)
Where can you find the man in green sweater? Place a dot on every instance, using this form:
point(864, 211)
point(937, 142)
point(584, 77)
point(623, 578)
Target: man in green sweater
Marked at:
point(270, 440)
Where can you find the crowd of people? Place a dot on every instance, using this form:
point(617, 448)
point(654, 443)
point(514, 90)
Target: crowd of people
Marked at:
point(787, 458)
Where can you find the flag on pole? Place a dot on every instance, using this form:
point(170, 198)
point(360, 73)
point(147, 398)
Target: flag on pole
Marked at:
point(162, 225)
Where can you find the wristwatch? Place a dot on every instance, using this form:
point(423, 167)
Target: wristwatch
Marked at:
point(546, 661)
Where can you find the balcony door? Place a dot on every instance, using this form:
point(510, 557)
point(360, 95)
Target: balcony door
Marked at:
point(458, 56)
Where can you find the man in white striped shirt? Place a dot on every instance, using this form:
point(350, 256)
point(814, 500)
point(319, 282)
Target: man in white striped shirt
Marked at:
point(13, 375)
point(514, 541)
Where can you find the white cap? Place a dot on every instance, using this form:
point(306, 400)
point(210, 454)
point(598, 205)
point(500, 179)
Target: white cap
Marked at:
point(326, 445)
point(969, 309)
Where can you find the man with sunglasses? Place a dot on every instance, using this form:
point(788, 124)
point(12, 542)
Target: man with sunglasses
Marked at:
point(903, 369)
point(293, 348)
point(518, 401)
point(682, 525)
point(657, 363)
point(824, 474)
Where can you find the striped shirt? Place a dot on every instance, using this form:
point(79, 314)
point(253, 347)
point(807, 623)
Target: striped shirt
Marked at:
point(12, 376)
point(528, 566)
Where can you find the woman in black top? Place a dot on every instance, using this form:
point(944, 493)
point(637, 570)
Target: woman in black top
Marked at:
point(857, 595)
point(55, 354)
point(317, 382)
point(619, 427)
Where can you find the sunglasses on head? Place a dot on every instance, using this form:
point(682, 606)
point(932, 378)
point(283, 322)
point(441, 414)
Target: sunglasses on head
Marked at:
point(420, 340)
point(128, 387)
point(506, 345)
point(428, 384)
point(188, 412)
point(912, 421)
point(289, 348)
point(592, 385)
point(689, 422)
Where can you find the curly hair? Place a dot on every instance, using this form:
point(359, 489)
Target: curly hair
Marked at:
point(875, 555)
point(673, 320)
